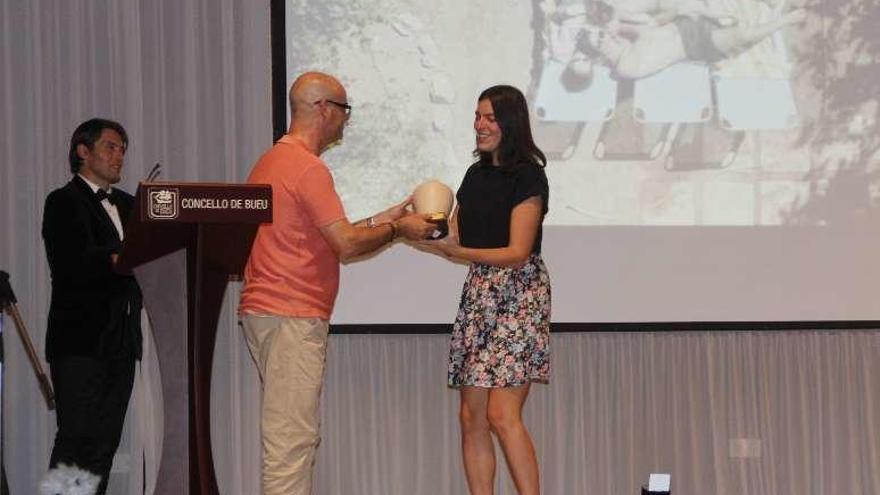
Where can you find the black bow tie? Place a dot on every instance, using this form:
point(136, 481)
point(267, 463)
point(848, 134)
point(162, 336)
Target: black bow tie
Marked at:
point(101, 195)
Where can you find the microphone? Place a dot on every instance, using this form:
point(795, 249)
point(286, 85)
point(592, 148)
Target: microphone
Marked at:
point(154, 172)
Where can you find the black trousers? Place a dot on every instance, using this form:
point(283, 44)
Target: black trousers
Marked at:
point(92, 398)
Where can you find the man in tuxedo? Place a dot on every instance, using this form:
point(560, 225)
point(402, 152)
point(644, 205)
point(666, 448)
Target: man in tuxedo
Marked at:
point(94, 335)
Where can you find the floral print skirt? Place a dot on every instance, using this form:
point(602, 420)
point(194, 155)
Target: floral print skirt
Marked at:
point(501, 335)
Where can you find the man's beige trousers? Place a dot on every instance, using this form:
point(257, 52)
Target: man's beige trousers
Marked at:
point(290, 354)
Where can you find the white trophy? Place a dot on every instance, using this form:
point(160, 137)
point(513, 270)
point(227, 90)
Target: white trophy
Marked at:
point(434, 198)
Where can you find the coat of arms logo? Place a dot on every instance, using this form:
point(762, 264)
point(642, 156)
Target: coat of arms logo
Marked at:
point(163, 203)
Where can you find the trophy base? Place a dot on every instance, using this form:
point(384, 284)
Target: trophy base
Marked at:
point(442, 230)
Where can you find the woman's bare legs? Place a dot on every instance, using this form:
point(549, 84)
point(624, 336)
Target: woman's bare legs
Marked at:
point(505, 418)
point(477, 448)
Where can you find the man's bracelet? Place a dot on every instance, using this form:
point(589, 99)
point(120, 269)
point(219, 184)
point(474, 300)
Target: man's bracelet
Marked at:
point(393, 231)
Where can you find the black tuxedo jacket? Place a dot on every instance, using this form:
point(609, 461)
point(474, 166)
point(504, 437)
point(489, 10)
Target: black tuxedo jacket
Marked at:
point(94, 310)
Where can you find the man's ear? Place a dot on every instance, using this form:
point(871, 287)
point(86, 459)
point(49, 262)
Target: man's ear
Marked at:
point(320, 113)
point(324, 115)
point(82, 151)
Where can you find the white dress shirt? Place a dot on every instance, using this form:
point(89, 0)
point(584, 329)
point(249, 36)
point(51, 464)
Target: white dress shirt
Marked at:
point(110, 207)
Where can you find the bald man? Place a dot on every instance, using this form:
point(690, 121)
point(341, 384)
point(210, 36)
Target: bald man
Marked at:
point(292, 276)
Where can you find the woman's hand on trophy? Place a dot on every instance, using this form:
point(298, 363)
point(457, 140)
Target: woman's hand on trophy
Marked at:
point(446, 246)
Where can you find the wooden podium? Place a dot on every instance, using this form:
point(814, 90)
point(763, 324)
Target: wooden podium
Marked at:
point(184, 242)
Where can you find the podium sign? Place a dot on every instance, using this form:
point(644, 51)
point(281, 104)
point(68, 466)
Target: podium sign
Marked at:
point(184, 242)
point(203, 203)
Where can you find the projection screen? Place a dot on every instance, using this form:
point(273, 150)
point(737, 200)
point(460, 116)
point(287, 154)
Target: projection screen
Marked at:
point(709, 161)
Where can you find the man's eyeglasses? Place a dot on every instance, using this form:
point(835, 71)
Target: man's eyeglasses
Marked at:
point(344, 106)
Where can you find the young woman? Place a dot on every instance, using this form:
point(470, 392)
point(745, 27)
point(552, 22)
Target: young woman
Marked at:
point(500, 340)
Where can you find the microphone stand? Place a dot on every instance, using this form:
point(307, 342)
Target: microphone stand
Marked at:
point(154, 172)
point(8, 304)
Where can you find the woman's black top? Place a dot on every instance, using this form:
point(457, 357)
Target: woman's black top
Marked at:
point(486, 197)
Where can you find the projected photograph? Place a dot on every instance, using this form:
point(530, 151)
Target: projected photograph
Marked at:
point(652, 112)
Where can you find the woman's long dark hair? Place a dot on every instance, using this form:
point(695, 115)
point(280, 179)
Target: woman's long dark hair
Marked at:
point(512, 115)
